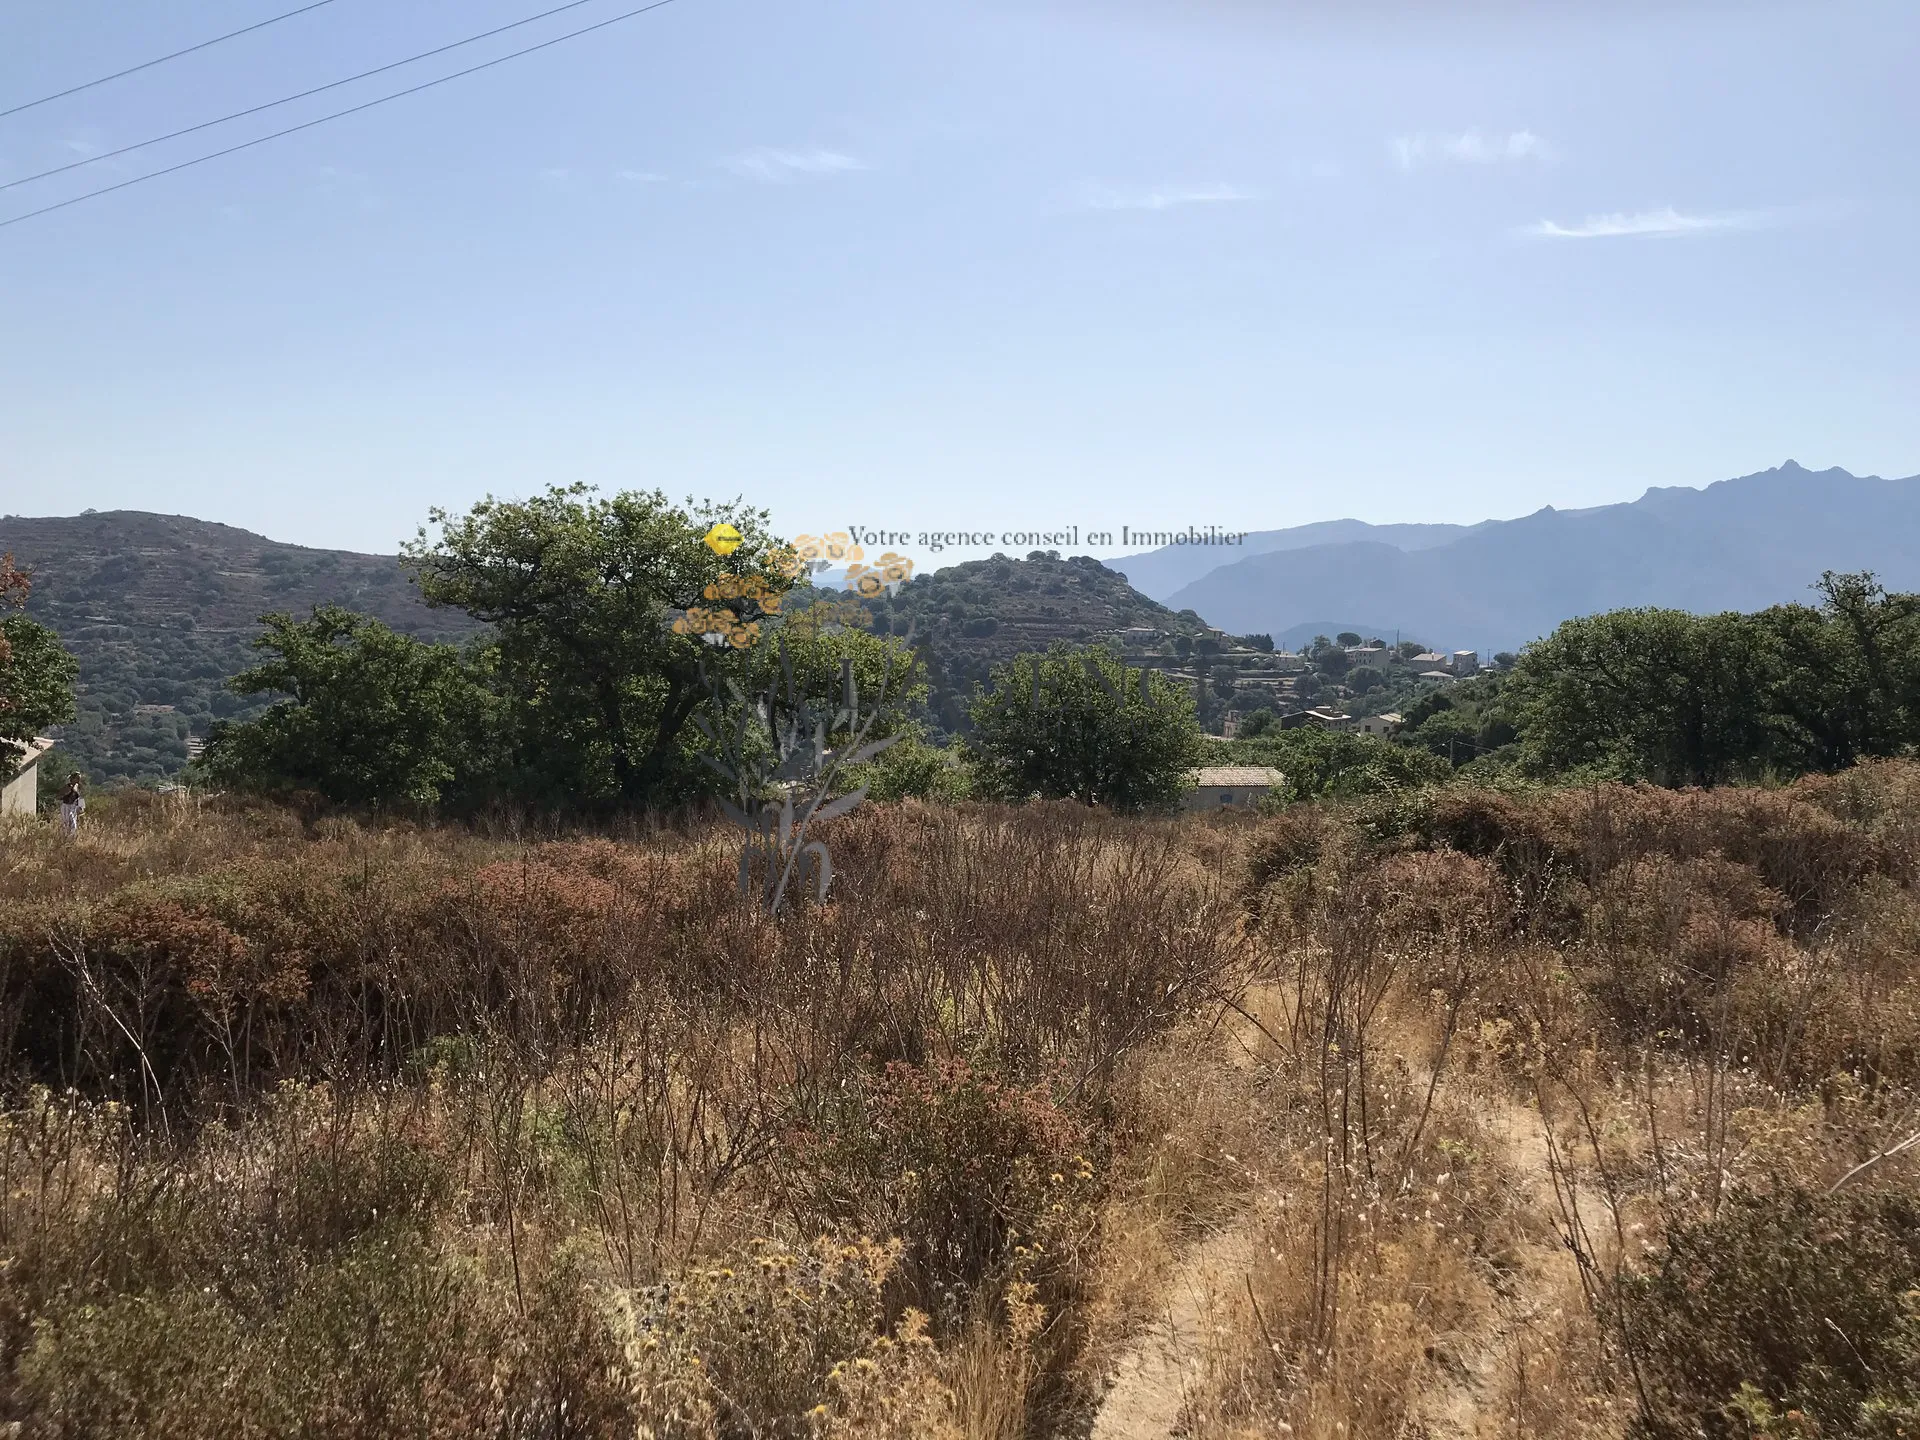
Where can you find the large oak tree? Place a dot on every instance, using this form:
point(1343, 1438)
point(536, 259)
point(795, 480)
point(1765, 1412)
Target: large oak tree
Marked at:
point(582, 591)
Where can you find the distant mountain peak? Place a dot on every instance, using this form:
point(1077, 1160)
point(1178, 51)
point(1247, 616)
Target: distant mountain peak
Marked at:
point(1738, 544)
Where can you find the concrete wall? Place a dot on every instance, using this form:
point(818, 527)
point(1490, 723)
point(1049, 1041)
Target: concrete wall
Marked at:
point(1222, 797)
point(22, 793)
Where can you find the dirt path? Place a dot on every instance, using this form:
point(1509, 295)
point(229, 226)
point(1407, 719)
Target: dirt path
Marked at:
point(1160, 1367)
point(1467, 1394)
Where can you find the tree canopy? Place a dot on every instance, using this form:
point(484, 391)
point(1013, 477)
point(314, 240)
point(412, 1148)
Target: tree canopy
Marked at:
point(372, 718)
point(582, 591)
point(1676, 698)
point(1078, 724)
point(1328, 764)
point(375, 718)
point(36, 672)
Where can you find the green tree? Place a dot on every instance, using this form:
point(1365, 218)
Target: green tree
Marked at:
point(1466, 721)
point(1256, 724)
point(914, 768)
point(36, 672)
point(1649, 694)
point(1432, 703)
point(813, 655)
point(1347, 637)
point(1332, 661)
point(1450, 734)
point(373, 718)
point(1077, 724)
point(1328, 764)
point(1845, 682)
point(582, 592)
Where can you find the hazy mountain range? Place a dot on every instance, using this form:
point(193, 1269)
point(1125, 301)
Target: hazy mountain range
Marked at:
point(161, 610)
point(1737, 545)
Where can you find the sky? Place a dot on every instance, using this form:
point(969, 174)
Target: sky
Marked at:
point(993, 267)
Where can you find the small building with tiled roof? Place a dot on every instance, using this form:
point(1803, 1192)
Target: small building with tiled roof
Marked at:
point(1216, 787)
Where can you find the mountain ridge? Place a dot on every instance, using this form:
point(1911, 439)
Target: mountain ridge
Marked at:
point(1738, 544)
point(161, 609)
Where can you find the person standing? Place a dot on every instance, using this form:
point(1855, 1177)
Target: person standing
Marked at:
point(73, 804)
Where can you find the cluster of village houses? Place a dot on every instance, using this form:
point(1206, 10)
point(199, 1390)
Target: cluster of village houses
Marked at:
point(1273, 677)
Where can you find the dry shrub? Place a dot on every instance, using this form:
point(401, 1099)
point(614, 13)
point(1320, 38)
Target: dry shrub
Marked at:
point(1680, 988)
point(476, 1098)
point(1362, 1300)
point(300, 1079)
point(1788, 1313)
point(387, 1335)
point(994, 1190)
point(754, 1349)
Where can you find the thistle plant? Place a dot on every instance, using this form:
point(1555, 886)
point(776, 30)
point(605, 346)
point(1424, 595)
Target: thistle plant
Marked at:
point(780, 755)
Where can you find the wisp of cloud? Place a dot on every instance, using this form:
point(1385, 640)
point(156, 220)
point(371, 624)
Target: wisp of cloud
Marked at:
point(1647, 222)
point(780, 166)
point(1469, 147)
point(1095, 197)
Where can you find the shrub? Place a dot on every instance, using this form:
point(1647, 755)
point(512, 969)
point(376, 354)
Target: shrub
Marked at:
point(1785, 1302)
point(965, 1166)
point(1078, 724)
point(754, 1348)
point(913, 769)
point(1324, 764)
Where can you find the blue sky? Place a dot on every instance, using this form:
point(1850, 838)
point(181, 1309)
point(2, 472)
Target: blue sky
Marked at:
point(966, 266)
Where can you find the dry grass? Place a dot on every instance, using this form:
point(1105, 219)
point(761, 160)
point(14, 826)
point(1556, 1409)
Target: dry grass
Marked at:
point(1534, 1054)
point(348, 1130)
point(439, 1133)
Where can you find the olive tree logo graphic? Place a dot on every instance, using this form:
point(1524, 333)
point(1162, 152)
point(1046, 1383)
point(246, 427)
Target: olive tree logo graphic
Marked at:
point(823, 552)
point(780, 755)
point(736, 605)
point(720, 622)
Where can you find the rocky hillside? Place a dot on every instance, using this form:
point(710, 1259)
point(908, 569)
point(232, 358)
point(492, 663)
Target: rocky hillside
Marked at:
point(162, 609)
point(968, 618)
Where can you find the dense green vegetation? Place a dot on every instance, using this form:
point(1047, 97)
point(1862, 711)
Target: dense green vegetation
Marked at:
point(550, 606)
point(36, 674)
point(1680, 699)
point(1076, 724)
point(581, 592)
point(373, 717)
point(161, 611)
point(1327, 764)
point(967, 619)
point(581, 694)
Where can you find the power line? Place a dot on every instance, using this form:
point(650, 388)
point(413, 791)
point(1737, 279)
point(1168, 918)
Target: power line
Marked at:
point(336, 115)
point(149, 64)
point(303, 95)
